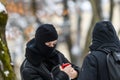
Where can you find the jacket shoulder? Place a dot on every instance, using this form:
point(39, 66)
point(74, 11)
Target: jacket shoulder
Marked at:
point(28, 71)
point(98, 54)
point(59, 53)
point(27, 67)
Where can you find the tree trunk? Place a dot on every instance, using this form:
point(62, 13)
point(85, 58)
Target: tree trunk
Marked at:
point(34, 9)
point(6, 69)
point(111, 9)
point(119, 32)
point(74, 56)
point(66, 29)
point(95, 17)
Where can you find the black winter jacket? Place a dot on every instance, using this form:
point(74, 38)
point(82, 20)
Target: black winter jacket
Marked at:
point(31, 72)
point(104, 40)
point(95, 67)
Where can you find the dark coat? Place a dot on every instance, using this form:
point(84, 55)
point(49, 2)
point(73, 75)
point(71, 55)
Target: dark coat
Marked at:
point(104, 40)
point(94, 67)
point(41, 72)
point(39, 68)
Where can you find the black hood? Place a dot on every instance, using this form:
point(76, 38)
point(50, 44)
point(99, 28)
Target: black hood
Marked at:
point(104, 37)
point(34, 55)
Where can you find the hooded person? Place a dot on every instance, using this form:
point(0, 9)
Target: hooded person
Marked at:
point(45, 34)
point(43, 62)
point(36, 50)
point(104, 39)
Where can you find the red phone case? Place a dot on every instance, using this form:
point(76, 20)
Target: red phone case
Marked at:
point(64, 65)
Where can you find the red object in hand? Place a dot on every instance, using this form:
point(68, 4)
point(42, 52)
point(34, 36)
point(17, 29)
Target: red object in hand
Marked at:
point(64, 65)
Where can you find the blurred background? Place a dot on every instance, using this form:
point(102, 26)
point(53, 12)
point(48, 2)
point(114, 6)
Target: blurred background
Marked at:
point(73, 19)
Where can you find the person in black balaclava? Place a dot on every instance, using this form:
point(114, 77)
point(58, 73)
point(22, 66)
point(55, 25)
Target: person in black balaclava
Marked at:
point(45, 34)
point(104, 39)
point(43, 61)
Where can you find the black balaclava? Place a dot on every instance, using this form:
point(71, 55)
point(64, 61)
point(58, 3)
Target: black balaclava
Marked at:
point(45, 33)
point(36, 50)
point(104, 36)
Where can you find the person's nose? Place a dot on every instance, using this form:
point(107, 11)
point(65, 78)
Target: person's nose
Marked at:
point(52, 45)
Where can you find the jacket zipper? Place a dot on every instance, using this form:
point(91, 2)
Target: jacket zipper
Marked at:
point(49, 73)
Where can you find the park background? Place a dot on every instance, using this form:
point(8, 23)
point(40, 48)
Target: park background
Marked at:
point(73, 19)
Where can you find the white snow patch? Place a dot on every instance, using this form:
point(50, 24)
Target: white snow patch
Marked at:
point(6, 73)
point(2, 8)
point(2, 52)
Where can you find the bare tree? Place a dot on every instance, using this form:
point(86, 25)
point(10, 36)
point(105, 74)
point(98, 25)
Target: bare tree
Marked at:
point(34, 10)
point(111, 9)
point(6, 69)
point(96, 16)
point(66, 27)
point(119, 32)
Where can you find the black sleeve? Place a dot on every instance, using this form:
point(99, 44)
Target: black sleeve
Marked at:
point(61, 76)
point(65, 60)
point(89, 68)
point(29, 74)
point(58, 74)
point(78, 71)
